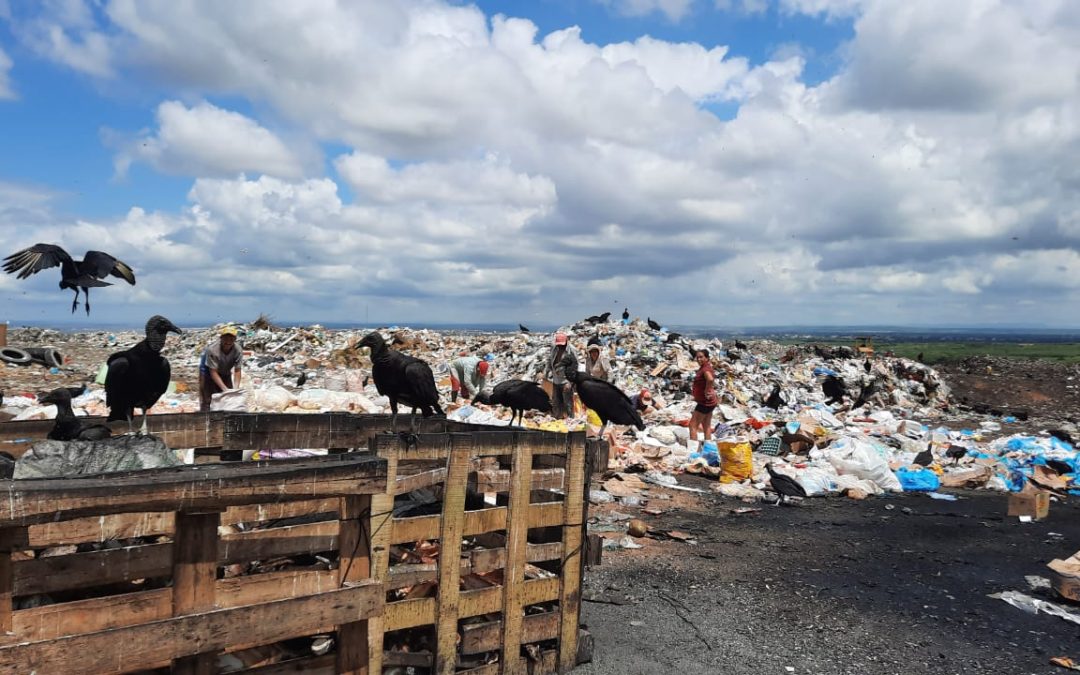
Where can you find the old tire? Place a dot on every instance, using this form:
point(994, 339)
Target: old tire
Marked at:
point(14, 355)
point(45, 355)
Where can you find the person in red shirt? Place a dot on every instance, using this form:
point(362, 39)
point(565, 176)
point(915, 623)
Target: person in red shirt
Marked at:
point(704, 393)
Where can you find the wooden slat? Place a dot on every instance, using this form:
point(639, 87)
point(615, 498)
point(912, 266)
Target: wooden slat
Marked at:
point(308, 665)
point(87, 616)
point(421, 528)
point(179, 430)
point(490, 559)
point(146, 645)
point(354, 565)
point(194, 579)
point(382, 507)
point(497, 480)
point(453, 520)
point(7, 584)
point(408, 614)
point(27, 502)
point(130, 525)
point(480, 601)
point(100, 528)
point(572, 567)
point(514, 573)
point(419, 480)
point(536, 591)
point(98, 568)
point(486, 669)
point(486, 637)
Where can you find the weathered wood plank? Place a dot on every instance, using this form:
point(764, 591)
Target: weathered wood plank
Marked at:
point(490, 559)
point(419, 480)
point(308, 665)
point(573, 561)
point(194, 577)
point(99, 568)
point(179, 430)
point(28, 502)
point(147, 645)
point(87, 616)
point(480, 601)
point(497, 480)
point(453, 521)
point(409, 614)
point(521, 477)
point(354, 565)
point(7, 586)
point(381, 529)
point(421, 528)
point(486, 637)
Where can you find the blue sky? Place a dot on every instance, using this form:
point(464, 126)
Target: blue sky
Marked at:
point(733, 162)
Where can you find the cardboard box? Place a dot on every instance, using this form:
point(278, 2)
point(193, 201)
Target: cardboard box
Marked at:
point(1030, 502)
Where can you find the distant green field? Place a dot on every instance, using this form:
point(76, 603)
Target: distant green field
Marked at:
point(936, 352)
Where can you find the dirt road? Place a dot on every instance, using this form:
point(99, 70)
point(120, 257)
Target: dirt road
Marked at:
point(888, 585)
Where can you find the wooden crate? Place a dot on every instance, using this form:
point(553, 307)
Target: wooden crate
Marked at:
point(501, 595)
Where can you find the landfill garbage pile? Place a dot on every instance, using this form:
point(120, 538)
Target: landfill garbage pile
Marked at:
point(895, 428)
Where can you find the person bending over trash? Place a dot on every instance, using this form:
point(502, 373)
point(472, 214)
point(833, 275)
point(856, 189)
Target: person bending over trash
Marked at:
point(219, 367)
point(596, 362)
point(645, 403)
point(559, 359)
point(467, 376)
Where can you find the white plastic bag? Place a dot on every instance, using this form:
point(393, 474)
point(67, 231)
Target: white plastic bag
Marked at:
point(233, 400)
point(860, 458)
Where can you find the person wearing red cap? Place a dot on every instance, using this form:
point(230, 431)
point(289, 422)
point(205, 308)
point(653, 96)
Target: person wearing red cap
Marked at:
point(467, 376)
point(560, 359)
point(644, 402)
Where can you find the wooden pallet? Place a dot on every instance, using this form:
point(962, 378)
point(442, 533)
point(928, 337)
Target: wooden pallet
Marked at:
point(501, 594)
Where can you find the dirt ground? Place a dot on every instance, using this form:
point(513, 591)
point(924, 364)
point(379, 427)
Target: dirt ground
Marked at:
point(1046, 392)
point(887, 585)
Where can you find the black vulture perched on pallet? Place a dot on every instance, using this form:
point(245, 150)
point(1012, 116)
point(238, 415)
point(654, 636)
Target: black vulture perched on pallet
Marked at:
point(834, 389)
point(74, 274)
point(68, 427)
point(519, 396)
point(607, 400)
point(402, 378)
point(785, 486)
point(137, 377)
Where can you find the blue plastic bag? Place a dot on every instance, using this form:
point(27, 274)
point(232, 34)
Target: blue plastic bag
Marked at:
point(918, 480)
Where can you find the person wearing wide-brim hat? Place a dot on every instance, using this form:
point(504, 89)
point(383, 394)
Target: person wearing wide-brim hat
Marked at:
point(219, 366)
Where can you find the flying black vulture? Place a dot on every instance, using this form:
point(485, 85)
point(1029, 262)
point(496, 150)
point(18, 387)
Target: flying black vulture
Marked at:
point(626, 314)
point(775, 400)
point(523, 328)
point(74, 274)
point(607, 400)
point(137, 377)
point(519, 396)
point(68, 427)
point(834, 389)
point(652, 324)
point(402, 378)
point(785, 486)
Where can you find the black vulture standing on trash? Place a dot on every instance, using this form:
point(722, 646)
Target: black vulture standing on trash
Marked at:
point(785, 486)
point(926, 457)
point(523, 329)
point(834, 389)
point(608, 401)
point(68, 427)
point(74, 274)
point(402, 378)
point(519, 396)
point(775, 400)
point(652, 324)
point(137, 377)
point(740, 345)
